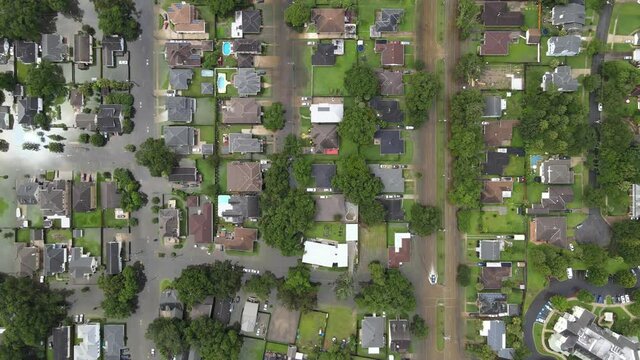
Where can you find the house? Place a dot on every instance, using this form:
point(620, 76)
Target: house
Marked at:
point(496, 333)
point(27, 109)
point(560, 79)
point(498, 133)
point(556, 198)
point(61, 343)
point(493, 106)
point(186, 54)
point(185, 175)
point(556, 171)
point(89, 346)
point(387, 110)
point(247, 46)
point(325, 139)
point(372, 335)
point(179, 79)
point(246, 22)
point(240, 239)
point(495, 191)
point(180, 108)
point(242, 143)
point(5, 117)
point(76, 99)
point(324, 55)
point(249, 317)
point(533, 36)
point(490, 249)
point(496, 162)
point(201, 224)
point(391, 52)
point(82, 266)
point(399, 335)
point(237, 209)
point(54, 199)
point(27, 193)
point(496, 13)
point(494, 273)
point(568, 45)
point(390, 82)
point(400, 252)
point(387, 21)
point(27, 259)
point(326, 113)
point(110, 197)
point(26, 52)
point(87, 122)
point(495, 305)
point(329, 21)
point(390, 141)
point(323, 175)
point(578, 334)
point(114, 259)
point(109, 119)
point(549, 229)
point(6, 51)
point(169, 225)
point(245, 61)
point(391, 177)
point(222, 310)
point(244, 177)
point(180, 139)
point(54, 48)
point(326, 253)
point(570, 16)
point(393, 208)
point(247, 81)
point(202, 308)
point(84, 196)
point(330, 207)
point(113, 341)
point(497, 42)
point(241, 111)
point(83, 49)
point(170, 306)
point(113, 46)
point(184, 19)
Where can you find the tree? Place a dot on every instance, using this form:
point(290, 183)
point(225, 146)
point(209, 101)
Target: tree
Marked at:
point(625, 278)
point(418, 327)
point(595, 46)
point(84, 138)
point(337, 351)
point(424, 220)
point(302, 171)
point(362, 82)
point(56, 147)
point(625, 241)
point(118, 17)
point(355, 180)
point(261, 285)
point(98, 140)
point(388, 291)
point(593, 255)
point(470, 67)
point(560, 303)
point(596, 5)
point(273, 118)
point(297, 292)
point(224, 7)
point(371, 212)
point(585, 296)
point(359, 124)
point(25, 19)
point(597, 275)
point(297, 14)
point(46, 81)
point(464, 275)
point(482, 351)
point(212, 340)
point(592, 82)
point(130, 148)
point(168, 335)
point(422, 88)
point(549, 260)
point(7, 81)
point(343, 286)
point(131, 198)
point(121, 291)
point(467, 19)
point(156, 156)
point(196, 282)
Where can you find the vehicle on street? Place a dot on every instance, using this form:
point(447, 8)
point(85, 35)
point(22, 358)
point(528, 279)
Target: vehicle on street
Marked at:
point(433, 278)
point(600, 107)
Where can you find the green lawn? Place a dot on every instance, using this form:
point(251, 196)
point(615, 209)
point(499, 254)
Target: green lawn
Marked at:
point(493, 223)
point(372, 152)
point(580, 61)
point(624, 19)
point(531, 16)
point(311, 323)
point(392, 229)
point(91, 241)
point(22, 70)
point(109, 220)
point(518, 53)
point(207, 170)
point(374, 237)
point(195, 86)
point(341, 323)
point(34, 215)
point(327, 230)
point(207, 133)
point(329, 80)
point(252, 349)
point(516, 166)
point(24, 235)
point(205, 112)
point(367, 13)
point(90, 219)
point(440, 327)
point(53, 236)
point(535, 283)
point(277, 348)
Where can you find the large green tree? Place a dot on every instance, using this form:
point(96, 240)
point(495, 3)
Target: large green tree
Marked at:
point(625, 241)
point(467, 19)
point(131, 198)
point(297, 292)
point(261, 285)
point(388, 291)
point(121, 291)
point(297, 14)
point(422, 88)
point(625, 278)
point(597, 275)
point(359, 124)
point(46, 81)
point(355, 180)
point(118, 17)
point(156, 156)
point(273, 117)
point(212, 340)
point(224, 7)
point(371, 212)
point(222, 279)
point(26, 19)
point(361, 81)
point(424, 220)
point(560, 303)
point(168, 335)
point(470, 67)
point(549, 260)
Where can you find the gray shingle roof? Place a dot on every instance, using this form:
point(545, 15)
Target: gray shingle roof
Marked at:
point(391, 177)
point(571, 15)
point(81, 265)
point(552, 230)
point(179, 78)
point(241, 111)
point(55, 259)
point(557, 171)
point(324, 55)
point(247, 46)
point(492, 106)
point(372, 332)
point(180, 139)
point(113, 341)
point(26, 51)
point(62, 343)
point(387, 109)
point(83, 196)
point(206, 88)
point(247, 81)
point(490, 249)
point(180, 108)
point(114, 261)
point(561, 80)
point(323, 174)
point(184, 174)
point(399, 335)
point(568, 45)
point(251, 21)
point(109, 119)
point(54, 198)
point(388, 20)
point(27, 193)
point(112, 46)
point(243, 143)
point(391, 142)
point(242, 207)
point(82, 51)
point(27, 109)
point(53, 48)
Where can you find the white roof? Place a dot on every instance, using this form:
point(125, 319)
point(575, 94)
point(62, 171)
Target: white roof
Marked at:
point(326, 113)
point(352, 232)
point(89, 348)
point(249, 316)
point(397, 240)
point(326, 255)
point(636, 55)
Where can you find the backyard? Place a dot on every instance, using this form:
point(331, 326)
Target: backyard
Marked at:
point(90, 241)
point(89, 219)
point(252, 349)
point(327, 230)
point(329, 80)
point(53, 236)
point(340, 325)
point(311, 330)
point(624, 19)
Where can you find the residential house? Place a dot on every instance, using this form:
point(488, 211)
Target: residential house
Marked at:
point(82, 266)
point(533, 36)
point(27, 193)
point(185, 175)
point(6, 51)
point(568, 45)
point(549, 229)
point(88, 348)
point(323, 175)
point(497, 13)
point(54, 199)
point(170, 306)
point(245, 61)
point(203, 308)
point(326, 253)
point(179, 79)
point(399, 335)
point(493, 106)
point(391, 52)
point(324, 55)
point(222, 310)
point(327, 113)
point(496, 43)
point(27, 109)
point(247, 46)
point(186, 54)
point(496, 333)
point(201, 224)
point(557, 172)
point(372, 336)
point(113, 46)
point(241, 111)
point(496, 162)
point(26, 52)
point(325, 139)
point(114, 257)
point(387, 110)
point(84, 196)
point(184, 19)
point(246, 22)
point(390, 141)
point(400, 252)
point(180, 109)
point(498, 133)
point(560, 79)
point(61, 343)
point(494, 273)
point(490, 249)
point(5, 117)
point(87, 122)
point(391, 177)
point(240, 239)
point(180, 139)
point(27, 259)
point(242, 143)
point(76, 99)
point(237, 209)
point(83, 49)
point(387, 21)
point(556, 198)
point(114, 345)
point(495, 191)
point(247, 81)
point(244, 177)
point(54, 48)
point(249, 316)
point(110, 197)
point(329, 22)
point(393, 209)
point(494, 305)
point(330, 207)
point(578, 334)
point(169, 225)
point(109, 119)
point(390, 82)
point(570, 16)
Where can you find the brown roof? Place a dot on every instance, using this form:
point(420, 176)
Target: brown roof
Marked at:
point(76, 99)
point(244, 177)
point(184, 17)
point(185, 53)
point(533, 36)
point(550, 229)
point(393, 54)
point(492, 191)
point(201, 225)
point(636, 91)
point(390, 82)
point(496, 43)
point(497, 13)
point(240, 239)
point(193, 201)
point(402, 256)
point(241, 111)
point(492, 277)
point(324, 137)
point(499, 133)
point(329, 20)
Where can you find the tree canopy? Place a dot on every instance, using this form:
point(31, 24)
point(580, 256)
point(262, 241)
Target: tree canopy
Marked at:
point(597, 275)
point(156, 156)
point(625, 278)
point(424, 220)
point(213, 340)
point(560, 303)
point(224, 7)
point(388, 291)
point(273, 118)
point(46, 81)
point(467, 19)
point(463, 276)
point(625, 241)
point(27, 19)
point(196, 282)
point(362, 82)
point(297, 292)
point(131, 198)
point(121, 291)
point(297, 14)
point(422, 88)
point(469, 67)
point(168, 335)
point(549, 260)
point(371, 212)
point(418, 327)
point(355, 180)
point(261, 285)
point(118, 17)
point(359, 124)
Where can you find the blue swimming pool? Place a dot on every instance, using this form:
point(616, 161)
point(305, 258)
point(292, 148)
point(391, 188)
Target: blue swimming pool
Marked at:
point(226, 48)
point(222, 83)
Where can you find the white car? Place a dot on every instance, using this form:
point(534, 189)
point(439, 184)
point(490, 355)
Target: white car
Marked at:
point(600, 107)
point(571, 247)
point(569, 273)
point(153, 352)
point(626, 298)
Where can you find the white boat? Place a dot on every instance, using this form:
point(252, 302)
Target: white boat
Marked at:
point(433, 277)
point(18, 213)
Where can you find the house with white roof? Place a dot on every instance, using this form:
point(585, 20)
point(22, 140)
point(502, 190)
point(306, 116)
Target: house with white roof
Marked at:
point(327, 254)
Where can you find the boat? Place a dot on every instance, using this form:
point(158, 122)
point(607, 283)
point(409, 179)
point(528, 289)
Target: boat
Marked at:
point(433, 277)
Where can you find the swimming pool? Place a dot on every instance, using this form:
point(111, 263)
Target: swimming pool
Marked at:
point(226, 48)
point(222, 83)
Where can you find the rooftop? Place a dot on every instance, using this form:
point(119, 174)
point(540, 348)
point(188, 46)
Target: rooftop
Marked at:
point(201, 224)
point(391, 177)
point(325, 254)
point(325, 138)
point(330, 207)
point(551, 230)
point(496, 13)
point(493, 276)
point(390, 82)
point(390, 141)
point(328, 20)
point(372, 332)
point(241, 111)
point(244, 177)
point(184, 18)
point(496, 43)
point(240, 239)
point(247, 81)
point(494, 192)
point(499, 132)
point(323, 174)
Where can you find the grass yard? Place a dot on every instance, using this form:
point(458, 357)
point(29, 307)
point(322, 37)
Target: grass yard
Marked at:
point(493, 223)
point(624, 19)
point(91, 241)
point(252, 349)
point(514, 106)
point(53, 236)
point(327, 230)
point(392, 229)
point(90, 219)
point(516, 138)
point(473, 331)
point(516, 166)
point(22, 70)
point(207, 133)
point(205, 111)
point(580, 61)
point(518, 53)
point(535, 283)
point(531, 16)
point(515, 252)
point(534, 191)
point(207, 170)
point(24, 235)
point(372, 152)
point(329, 80)
point(222, 175)
point(374, 237)
point(277, 348)
point(311, 324)
point(367, 14)
point(341, 324)
point(196, 83)
point(34, 215)
point(109, 220)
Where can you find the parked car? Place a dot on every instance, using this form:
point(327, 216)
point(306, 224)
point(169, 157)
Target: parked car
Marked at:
point(599, 106)
point(626, 298)
point(569, 273)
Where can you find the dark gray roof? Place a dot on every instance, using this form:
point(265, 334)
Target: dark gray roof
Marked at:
point(62, 343)
point(399, 335)
point(202, 308)
point(556, 198)
point(391, 142)
point(82, 50)
point(245, 60)
point(490, 249)
point(5, 113)
point(184, 174)
point(109, 119)
point(81, 265)
point(113, 341)
point(388, 20)
point(391, 177)
point(242, 207)
point(179, 78)
point(571, 15)
point(323, 174)
point(247, 46)
point(36, 234)
point(27, 109)
point(242, 143)
point(492, 304)
point(393, 208)
point(180, 108)
point(55, 259)
point(109, 195)
point(87, 121)
point(54, 48)
point(221, 310)
point(180, 139)
point(557, 171)
point(169, 222)
point(28, 259)
point(496, 162)
point(26, 51)
point(561, 80)
point(83, 196)
point(372, 332)
point(112, 46)
point(27, 193)
point(324, 55)
point(492, 106)
point(552, 230)
point(76, 99)
point(206, 88)
point(330, 207)
point(170, 306)
point(251, 21)
point(247, 81)
point(387, 109)
point(114, 261)
point(568, 45)
point(54, 198)
point(496, 335)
